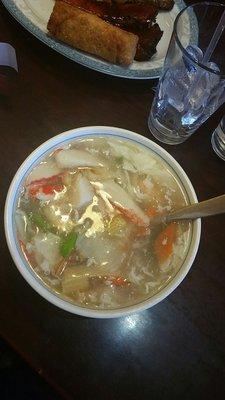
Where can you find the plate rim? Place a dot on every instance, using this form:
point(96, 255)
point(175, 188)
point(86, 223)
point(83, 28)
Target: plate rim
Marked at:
point(77, 56)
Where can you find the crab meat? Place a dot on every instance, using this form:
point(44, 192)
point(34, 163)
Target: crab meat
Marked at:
point(44, 170)
point(124, 203)
point(45, 192)
point(82, 192)
point(73, 158)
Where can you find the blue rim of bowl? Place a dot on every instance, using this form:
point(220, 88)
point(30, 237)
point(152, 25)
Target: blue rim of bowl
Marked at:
point(41, 287)
point(81, 58)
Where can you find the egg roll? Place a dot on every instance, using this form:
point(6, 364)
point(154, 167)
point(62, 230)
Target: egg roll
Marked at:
point(89, 33)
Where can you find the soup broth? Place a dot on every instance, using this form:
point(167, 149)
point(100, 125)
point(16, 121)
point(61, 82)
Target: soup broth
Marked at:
point(84, 222)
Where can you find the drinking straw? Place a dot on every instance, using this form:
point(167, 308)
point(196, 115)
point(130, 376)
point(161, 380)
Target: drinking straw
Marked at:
point(215, 38)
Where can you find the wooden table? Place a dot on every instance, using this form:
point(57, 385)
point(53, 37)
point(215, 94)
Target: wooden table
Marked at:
point(172, 351)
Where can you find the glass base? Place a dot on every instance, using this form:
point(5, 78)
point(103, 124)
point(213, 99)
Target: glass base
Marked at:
point(218, 144)
point(162, 133)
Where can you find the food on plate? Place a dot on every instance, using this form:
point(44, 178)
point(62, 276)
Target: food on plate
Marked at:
point(119, 33)
point(85, 227)
point(160, 4)
point(88, 32)
point(135, 18)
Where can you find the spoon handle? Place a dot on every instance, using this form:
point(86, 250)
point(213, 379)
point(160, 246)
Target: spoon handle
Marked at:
point(213, 206)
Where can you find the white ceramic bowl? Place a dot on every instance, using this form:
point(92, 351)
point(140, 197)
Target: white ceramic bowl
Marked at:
point(11, 201)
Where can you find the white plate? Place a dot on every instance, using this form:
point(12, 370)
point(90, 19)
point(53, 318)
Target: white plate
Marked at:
point(34, 15)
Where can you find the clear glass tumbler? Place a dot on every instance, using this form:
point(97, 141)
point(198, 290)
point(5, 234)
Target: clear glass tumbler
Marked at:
point(192, 85)
point(218, 139)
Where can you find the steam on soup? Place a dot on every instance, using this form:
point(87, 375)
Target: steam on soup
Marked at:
point(84, 222)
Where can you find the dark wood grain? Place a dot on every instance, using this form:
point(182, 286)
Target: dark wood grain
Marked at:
point(173, 351)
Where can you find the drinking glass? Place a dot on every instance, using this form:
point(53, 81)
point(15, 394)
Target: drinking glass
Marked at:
point(218, 139)
point(192, 85)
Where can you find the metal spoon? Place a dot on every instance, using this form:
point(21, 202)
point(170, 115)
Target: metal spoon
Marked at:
point(213, 206)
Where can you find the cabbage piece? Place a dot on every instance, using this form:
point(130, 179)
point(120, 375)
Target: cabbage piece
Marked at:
point(46, 250)
point(102, 250)
point(134, 159)
point(21, 224)
point(59, 215)
point(77, 277)
point(73, 158)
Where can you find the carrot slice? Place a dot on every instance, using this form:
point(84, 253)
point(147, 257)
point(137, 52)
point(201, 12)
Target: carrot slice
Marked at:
point(163, 245)
point(118, 281)
point(142, 231)
point(151, 212)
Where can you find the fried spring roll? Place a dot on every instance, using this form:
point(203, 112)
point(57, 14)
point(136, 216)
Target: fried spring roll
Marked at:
point(90, 33)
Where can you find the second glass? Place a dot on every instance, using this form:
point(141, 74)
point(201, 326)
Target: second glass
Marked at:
point(190, 89)
point(218, 139)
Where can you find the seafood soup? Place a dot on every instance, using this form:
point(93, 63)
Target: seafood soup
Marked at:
point(83, 221)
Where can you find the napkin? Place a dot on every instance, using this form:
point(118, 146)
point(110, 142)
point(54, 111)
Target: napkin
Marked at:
point(8, 56)
point(7, 60)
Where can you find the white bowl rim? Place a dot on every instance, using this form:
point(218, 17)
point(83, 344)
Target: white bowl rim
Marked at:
point(26, 271)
